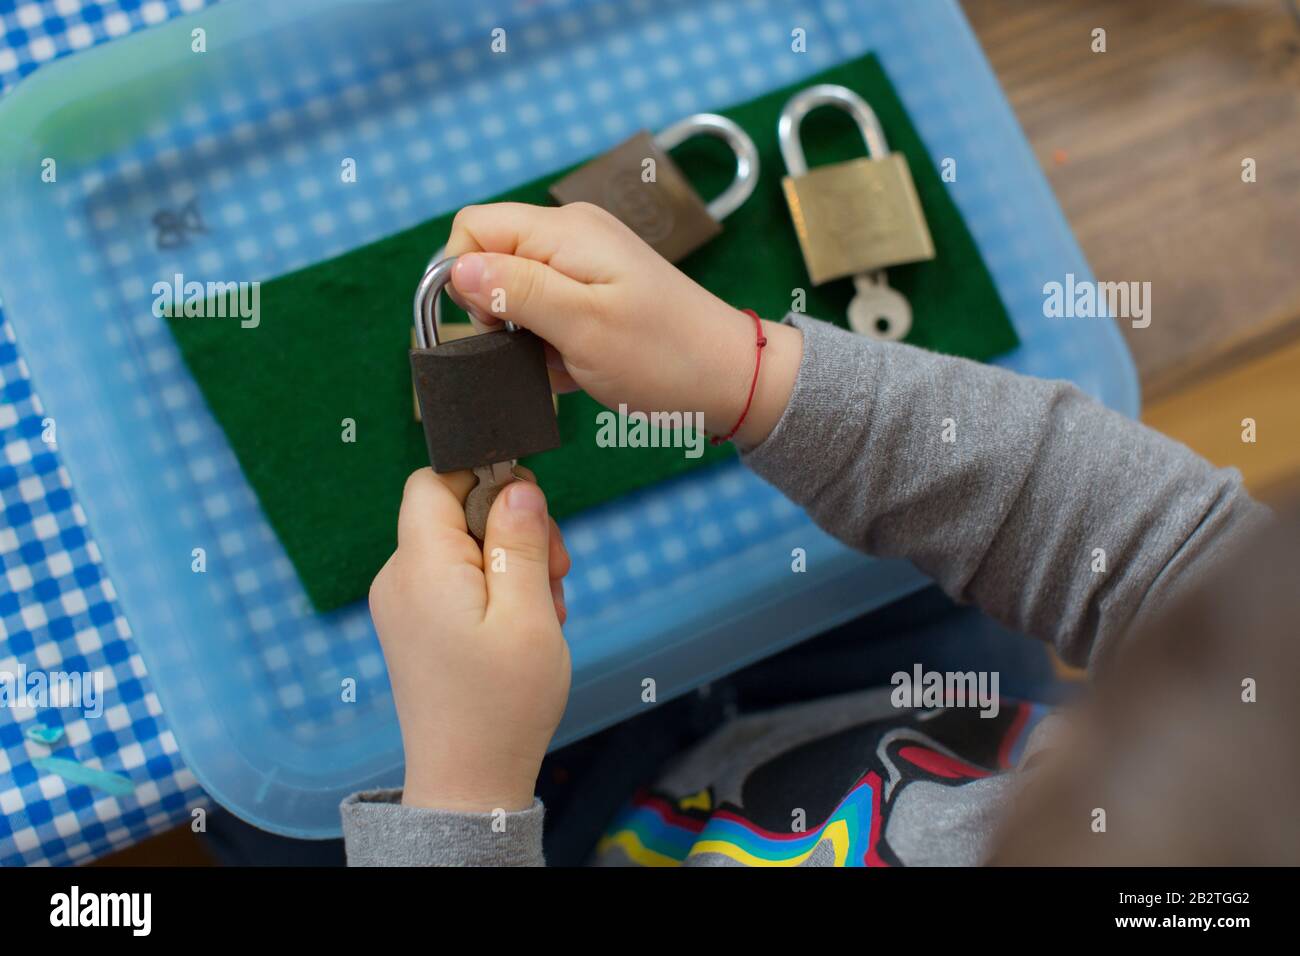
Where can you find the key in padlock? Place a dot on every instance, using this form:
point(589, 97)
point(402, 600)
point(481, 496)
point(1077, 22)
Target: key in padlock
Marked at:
point(667, 212)
point(857, 216)
point(485, 400)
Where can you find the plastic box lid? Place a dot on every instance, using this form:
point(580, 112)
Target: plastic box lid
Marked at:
point(211, 164)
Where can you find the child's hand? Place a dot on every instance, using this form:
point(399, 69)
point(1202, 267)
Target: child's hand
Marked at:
point(628, 326)
point(472, 638)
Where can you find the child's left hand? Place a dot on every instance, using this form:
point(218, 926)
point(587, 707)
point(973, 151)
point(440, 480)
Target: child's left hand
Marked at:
point(479, 667)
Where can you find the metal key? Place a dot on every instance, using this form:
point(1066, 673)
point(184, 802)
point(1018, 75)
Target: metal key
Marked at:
point(485, 400)
point(878, 311)
point(492, 480)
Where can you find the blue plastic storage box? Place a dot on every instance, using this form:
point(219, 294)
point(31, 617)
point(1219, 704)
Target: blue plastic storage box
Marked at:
point(174, 161)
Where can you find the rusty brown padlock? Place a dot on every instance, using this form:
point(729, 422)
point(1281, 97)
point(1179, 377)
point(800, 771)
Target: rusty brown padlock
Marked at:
point(664, 209)
point(485, 400)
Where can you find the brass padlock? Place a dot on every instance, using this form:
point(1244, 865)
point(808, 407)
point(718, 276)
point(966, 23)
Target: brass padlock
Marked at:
point(666, 212)
point(853, 217)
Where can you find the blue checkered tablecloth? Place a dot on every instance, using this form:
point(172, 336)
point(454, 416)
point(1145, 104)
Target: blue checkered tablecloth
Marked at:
point(58, 608)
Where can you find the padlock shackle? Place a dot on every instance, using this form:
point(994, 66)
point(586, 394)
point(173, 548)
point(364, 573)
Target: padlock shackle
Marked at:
point(428, 310)
point(711, 124)
point(825, 94)
point(428, 303)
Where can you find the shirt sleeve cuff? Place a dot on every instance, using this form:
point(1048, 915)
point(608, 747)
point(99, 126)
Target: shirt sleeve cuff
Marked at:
point(379, 831)
point(838, 370)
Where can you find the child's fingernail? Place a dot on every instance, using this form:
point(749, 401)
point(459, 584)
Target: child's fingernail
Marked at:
point(526, 497)
point(557, 592)
point(468, 273)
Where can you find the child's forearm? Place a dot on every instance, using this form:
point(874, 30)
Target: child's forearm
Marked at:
point(1005, 489)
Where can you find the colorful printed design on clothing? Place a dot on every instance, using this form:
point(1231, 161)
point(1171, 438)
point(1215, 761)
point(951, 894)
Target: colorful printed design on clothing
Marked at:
point(655, 831)
point(658, 830)
point(852, 830)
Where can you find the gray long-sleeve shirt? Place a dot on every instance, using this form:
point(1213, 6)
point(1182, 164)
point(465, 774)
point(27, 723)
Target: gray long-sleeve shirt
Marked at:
point(1054, 515)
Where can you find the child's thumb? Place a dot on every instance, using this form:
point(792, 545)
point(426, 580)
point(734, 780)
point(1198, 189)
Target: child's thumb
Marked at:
point(516, 553)
point(524, 291)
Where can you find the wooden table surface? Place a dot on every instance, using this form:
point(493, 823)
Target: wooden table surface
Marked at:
point(1143, 145)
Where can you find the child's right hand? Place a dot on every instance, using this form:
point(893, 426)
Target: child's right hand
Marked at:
point(627, 325)
point(480, 670)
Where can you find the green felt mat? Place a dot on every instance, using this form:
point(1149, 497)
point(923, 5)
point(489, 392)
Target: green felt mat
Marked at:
point(333, 339)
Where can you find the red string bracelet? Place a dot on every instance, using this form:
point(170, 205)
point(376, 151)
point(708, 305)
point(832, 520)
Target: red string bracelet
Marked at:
point(753, 385)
